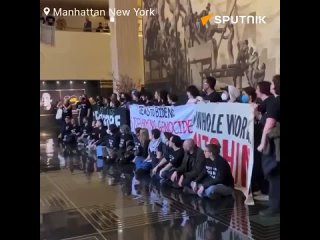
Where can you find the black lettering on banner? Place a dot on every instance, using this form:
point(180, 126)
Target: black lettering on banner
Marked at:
point(219, 124)
point(208, 122)
point(243, 127)
point(203, 121)
point(212, 126)
point(238, 126)
point(230, 123)
point(141, 110)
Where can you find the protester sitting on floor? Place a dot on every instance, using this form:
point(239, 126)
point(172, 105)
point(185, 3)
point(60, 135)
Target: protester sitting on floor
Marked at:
point(165, 145)
point(86, 130)
point(128, 155)
point(113, 142)
point(176, 155)
point(259, 185)
point(66, 135)
point(98, 133)
point(124, 138)
point(76, 130)
point(136, 135)
point(270, 148)
point(144, 141)
point(159, 163)
point(191, 166)
point(215, 179)
point(154, 144)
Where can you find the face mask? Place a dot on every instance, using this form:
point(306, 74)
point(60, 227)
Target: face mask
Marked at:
point(244, 99)
point(225, 96)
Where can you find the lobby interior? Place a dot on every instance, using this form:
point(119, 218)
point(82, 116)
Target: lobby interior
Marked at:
point(79, 203)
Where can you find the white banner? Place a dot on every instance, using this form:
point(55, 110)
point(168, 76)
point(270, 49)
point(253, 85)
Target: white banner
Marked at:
point(230, 124)
point(177, 120)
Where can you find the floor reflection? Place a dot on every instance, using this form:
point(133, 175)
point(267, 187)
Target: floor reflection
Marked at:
point(165, 213)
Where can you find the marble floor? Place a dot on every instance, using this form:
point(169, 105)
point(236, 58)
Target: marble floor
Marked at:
point(76, 202)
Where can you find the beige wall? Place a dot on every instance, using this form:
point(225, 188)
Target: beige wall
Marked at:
point(80, 56)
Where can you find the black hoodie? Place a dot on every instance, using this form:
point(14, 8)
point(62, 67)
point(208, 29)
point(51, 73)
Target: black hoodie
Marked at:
point(215, 172)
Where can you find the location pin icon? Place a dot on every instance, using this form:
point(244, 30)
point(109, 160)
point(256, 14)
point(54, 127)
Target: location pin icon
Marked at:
point(46, 10)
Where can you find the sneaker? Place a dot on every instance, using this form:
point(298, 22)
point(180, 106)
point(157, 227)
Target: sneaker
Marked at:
point(269, 212)
point(261, 197)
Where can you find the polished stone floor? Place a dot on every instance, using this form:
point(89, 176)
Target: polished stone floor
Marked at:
point(76, 202)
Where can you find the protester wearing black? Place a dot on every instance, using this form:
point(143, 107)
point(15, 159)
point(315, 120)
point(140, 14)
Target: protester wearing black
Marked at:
point(125, 136)
point(209, 88)
point(175, 159)
point(66, 133)
point(173, 99)
point(84, 109)
point(113, 141)
point(191, 166)
point(136, 98)
point(76, 129)
point(270, 147)
point(215, 178)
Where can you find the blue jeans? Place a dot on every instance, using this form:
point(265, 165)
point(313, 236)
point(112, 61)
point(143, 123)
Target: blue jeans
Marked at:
point(141, 164)
point(218, 189)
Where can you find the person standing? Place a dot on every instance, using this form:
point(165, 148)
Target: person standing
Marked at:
point(270, 148)
point(87, 27)
point(209, 85)
point(84, 110)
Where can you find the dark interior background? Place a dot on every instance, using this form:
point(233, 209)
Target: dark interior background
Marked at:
point(91, 87)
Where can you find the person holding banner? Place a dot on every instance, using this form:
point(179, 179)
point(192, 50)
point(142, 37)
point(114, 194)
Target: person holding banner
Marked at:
point(209, 85)
point(193, 94)
point(215, 179)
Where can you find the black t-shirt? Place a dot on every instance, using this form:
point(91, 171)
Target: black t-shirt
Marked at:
point(83, 108)
point(75, 129)
point(273, 110)
point(114, 141)
point(176, 157)
point(213, 97)
point(86, 129)
point(263, 108)
point(66, 112)
point(66, 130)
point(123, 140)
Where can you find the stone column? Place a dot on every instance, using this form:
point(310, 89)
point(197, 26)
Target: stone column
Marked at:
point(124, 41)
